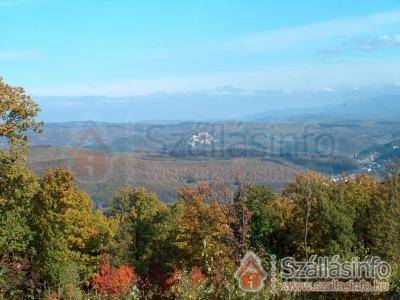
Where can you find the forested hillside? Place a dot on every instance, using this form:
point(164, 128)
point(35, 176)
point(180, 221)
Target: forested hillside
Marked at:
point(101, 174)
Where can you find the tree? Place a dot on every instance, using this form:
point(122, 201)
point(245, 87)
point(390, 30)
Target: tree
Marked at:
point(113, 282)
point(204, 237)
point(145, 230)
point(322, 218)
point(360, 192)
point(383, 226)
point(68, 232)
point(269, 215)
point(140, 219)
point(17, 186)
point(17, 113)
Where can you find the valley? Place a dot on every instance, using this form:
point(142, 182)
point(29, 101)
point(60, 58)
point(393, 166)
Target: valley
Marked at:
point(164, 157)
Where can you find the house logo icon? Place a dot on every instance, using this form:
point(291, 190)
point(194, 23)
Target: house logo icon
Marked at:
point(251, 274)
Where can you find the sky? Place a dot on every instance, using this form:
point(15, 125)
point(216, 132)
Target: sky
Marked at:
point(123, 48)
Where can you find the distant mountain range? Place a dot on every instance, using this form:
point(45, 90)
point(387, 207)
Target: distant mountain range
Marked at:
point(226, 103)
point(382, 107)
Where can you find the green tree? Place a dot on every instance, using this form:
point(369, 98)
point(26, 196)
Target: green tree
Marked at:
point(17, 185)
point(383, 226)
point(68, 233)
point(140, 216)
point(360, 192)
point(322, 218)
point(269, 215)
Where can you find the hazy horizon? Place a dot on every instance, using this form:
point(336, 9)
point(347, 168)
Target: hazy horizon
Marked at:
point(225, 103)
point(135, 61)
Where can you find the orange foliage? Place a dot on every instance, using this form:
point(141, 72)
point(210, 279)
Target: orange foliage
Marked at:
point(113, 282)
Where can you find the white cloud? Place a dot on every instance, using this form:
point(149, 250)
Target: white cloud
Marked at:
point(362, 44)
point(19, 55)
point(393, 40)
point(339, 28)
point(373, 43)
point(279, 39)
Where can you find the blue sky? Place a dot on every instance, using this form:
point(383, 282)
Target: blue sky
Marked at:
point(119, 48)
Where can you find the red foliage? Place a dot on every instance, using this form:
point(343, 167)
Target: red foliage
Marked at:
point(113, 282)
point(197, 277)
